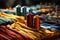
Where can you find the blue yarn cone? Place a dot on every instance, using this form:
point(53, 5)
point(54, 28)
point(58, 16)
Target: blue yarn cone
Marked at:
point(24, 12)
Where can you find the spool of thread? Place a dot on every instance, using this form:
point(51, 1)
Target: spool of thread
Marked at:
point(24, 11)
point(29, 18)
point(37, 22)
point(18, 10)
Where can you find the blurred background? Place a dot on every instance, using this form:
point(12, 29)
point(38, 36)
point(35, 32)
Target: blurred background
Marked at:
point(49, 10)
point(8, 3)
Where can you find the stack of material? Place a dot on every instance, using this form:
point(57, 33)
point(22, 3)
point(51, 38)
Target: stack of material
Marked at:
point(19, 30)
point(10, 34)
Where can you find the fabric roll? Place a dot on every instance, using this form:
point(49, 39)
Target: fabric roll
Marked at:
point(5, 21)
point(26, 37)
point(11, 33)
